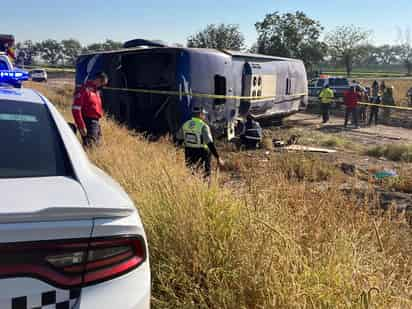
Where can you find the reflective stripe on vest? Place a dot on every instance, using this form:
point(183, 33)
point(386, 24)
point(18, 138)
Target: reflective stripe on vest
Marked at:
point(254, 134)
point(192, 132)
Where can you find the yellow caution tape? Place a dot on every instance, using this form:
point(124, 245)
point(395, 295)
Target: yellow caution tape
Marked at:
point(387, 106)
point(233, 97)
point(201, 95)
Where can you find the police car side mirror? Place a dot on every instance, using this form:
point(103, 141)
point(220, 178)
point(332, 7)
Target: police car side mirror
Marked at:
point(73, 127)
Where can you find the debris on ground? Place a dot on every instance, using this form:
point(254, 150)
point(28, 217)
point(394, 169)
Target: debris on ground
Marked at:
point(308, 149)
point(292, 145)
point(385, 174)
point(348, 169)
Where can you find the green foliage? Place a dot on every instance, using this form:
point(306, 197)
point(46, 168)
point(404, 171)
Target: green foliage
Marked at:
point(105, 46)
point(71, 50)
point(57, 53)
point(291, 35)
point(346, 44)
point(394, 152)
point(218, 36)
point(405, 49)
point(27, 51)
point(51, 51)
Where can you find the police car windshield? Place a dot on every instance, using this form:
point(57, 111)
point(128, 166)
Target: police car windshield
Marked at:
point(3, 66)
point(30, 143)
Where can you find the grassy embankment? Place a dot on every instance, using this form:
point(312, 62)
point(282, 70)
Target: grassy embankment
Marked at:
point(279, 243)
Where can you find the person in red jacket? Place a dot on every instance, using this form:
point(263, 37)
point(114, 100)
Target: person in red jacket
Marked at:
point(87, 109)
point(351, 98)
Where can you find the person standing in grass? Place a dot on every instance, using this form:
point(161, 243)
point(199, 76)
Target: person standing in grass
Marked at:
point(388, 100)
point(87, 109)
point(351, 99)
point(326, 97)
point(198, 142)
point(364, 97)
point(376, 99)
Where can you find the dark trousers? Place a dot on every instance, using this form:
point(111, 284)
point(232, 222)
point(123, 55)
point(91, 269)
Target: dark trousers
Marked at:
point(198, 158)
point(324, 107)
point(374, 113)
point(362, 113)
point(94, 132)
point(248, 143)
point(351, 111)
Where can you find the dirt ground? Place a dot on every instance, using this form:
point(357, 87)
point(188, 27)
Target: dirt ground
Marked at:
point(380, 134)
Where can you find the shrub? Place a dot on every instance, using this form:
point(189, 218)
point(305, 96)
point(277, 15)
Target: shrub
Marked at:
point(394, 152)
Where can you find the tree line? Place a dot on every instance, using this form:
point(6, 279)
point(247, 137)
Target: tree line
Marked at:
point(55, 52)
point(292, 35)
point(296, 35)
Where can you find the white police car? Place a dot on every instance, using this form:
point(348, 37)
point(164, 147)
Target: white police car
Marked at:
point(70, 237)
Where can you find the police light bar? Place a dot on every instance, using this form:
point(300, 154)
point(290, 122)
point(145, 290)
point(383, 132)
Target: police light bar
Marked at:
point(13, 78)
point(13, 75)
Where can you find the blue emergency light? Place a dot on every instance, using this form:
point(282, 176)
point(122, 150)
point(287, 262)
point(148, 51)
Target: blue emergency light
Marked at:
point(13, 77)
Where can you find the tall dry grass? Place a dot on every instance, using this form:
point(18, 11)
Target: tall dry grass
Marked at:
point(279, 243)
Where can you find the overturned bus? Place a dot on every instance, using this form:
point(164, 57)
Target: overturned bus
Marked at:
point(152, 87)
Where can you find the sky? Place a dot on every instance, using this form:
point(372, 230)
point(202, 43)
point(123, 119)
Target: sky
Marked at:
point(174, 21)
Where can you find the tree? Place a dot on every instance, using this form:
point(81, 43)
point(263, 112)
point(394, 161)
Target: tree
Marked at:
point(71, 49)
point(219, 37)
point(26, 52)
point(292, 35)
point(105, 46)
point(112, 45)
point(405, 49)
point(50, 51)
point(345, 44)
point(387, 54)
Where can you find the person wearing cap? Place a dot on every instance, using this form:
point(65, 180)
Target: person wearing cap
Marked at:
point(87, 109)
point(198, 142)
point(326, 97)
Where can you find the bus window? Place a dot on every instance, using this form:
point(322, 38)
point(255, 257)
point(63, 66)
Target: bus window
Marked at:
point(220, 88)
point(288, 84)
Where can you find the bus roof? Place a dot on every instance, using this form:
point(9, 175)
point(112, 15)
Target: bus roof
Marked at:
point(234, 54)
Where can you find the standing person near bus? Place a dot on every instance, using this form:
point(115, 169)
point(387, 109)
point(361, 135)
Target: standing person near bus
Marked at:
point(87, 109)
point(409, 95)
point(388, 100)
point(351, 99)
point(326, 97)
point(198, 142)
point(364, 97)
point(375, 99)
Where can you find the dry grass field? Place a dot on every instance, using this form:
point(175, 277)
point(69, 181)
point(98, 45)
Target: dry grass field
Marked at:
point(276, 241)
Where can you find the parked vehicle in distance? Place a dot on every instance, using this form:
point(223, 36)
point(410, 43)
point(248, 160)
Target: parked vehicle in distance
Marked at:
point(38, 75)
point(338, 84)
point(70, 237)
